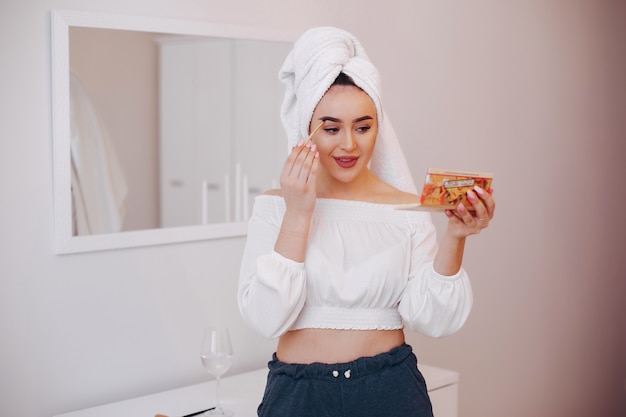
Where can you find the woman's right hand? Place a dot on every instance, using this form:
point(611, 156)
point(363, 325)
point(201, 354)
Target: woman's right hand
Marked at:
point(297, 179)
point(297, 183)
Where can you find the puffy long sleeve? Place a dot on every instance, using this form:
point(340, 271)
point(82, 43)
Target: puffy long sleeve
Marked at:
point(272, 288)
point(433, 304)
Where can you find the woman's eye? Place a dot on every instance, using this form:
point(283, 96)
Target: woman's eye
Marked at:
point(363, 129)
point(331, 129)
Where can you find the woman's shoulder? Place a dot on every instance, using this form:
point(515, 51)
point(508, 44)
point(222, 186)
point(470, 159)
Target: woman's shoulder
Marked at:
point(384, 193)
point(274, 192)
point(403, 197)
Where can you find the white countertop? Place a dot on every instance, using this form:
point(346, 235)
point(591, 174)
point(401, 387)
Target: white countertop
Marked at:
point(240, 393)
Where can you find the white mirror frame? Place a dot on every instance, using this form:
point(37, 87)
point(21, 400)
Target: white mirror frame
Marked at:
point(61, 21)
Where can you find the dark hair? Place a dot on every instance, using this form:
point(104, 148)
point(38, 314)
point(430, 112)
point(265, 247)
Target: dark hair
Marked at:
point(343, 79)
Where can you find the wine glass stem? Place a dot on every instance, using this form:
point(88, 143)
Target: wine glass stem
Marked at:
point(217, 393)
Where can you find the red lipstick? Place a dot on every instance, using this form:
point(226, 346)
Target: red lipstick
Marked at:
point(346, 161)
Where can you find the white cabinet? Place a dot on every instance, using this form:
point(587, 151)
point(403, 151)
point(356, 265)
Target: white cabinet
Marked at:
point(242, 394)
point(443, 389)
point(220, 127)
point(194, 102)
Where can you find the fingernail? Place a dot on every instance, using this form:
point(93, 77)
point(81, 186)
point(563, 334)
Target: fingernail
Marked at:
point(472, 195)
point(313, 148)
point(300, 143)
point(479, 190)
point(461, 208)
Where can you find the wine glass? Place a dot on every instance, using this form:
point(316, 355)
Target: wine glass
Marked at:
point(217, 355)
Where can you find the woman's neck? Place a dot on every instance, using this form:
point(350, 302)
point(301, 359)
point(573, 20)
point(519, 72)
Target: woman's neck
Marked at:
point(357, 189)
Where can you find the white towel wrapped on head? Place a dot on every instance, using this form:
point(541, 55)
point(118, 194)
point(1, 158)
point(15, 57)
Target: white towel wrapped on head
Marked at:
point(309, 70)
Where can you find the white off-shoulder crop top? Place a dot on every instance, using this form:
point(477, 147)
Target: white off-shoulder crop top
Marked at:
point(367, 266)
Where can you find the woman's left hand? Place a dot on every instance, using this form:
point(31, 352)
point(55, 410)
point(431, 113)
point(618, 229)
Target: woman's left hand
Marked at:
point(463, 222)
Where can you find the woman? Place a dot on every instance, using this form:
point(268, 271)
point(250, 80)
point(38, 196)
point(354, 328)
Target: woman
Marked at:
point(330, 266)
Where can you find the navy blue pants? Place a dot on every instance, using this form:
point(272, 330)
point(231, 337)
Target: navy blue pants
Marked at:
point(384, 385)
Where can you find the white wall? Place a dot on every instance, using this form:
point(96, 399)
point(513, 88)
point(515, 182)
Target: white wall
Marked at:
point(532, 90)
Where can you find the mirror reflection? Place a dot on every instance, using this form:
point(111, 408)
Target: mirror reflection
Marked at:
point(170, 130)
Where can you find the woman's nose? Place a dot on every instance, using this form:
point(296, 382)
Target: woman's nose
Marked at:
point(347, 142)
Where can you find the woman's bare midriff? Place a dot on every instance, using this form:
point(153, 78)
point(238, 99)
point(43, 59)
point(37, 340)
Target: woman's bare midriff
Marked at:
point(335, 346)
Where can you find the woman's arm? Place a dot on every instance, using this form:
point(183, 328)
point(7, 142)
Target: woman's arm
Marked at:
point(297, 182)
point(462, 223)
point(433, 304)
point(272, 288)
point(272, 281)
point(438, 297)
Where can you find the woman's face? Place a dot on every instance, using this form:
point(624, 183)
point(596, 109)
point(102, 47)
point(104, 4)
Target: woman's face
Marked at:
point(346, 140)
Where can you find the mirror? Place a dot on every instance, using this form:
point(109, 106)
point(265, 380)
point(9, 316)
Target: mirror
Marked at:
point(163, 130)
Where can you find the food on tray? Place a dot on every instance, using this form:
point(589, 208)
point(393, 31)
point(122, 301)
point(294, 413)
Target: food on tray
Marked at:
point(445, 189)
